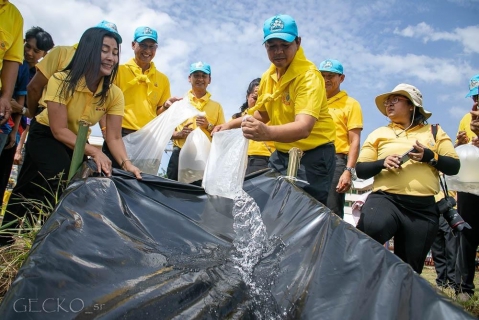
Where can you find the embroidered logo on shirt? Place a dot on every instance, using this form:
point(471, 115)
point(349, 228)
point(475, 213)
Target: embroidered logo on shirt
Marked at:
point(286, 98)
point(276, 25)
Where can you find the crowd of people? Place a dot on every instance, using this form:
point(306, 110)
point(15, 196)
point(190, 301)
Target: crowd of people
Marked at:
point(294, 104)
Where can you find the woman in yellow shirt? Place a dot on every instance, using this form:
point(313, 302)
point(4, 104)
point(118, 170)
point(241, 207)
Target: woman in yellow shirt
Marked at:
point(402, 203)
point(83, 91)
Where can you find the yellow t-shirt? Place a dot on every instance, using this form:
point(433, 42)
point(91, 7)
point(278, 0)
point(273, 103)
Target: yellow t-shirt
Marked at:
point(143, 92)
point(415, 178)
point(82, 105)
point(299, 91)
point(347, 115)
point(55, 61)
point(11, 37)
point(260, 148)
point(213, 110)
point(465, 125)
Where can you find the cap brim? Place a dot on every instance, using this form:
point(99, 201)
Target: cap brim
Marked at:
point(473, 92)
point(140, 39)
point(199, 69)
point(381, 98)
point(278, 35)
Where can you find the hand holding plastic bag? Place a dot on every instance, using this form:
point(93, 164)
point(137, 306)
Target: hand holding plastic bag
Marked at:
point(226, 166)
point(145, 147)
point(193, 157)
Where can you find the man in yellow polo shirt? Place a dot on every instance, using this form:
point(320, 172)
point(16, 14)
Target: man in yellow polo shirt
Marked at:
point(292, 97)
point(199, 97)
point(348, 118)
point(56, 60)
point(11, 57)
point(146, 90)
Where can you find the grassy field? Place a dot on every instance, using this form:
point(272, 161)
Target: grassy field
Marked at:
point(472, 306)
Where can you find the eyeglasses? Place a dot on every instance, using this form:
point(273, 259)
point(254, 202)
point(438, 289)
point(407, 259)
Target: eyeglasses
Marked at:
point(393, 100)
point(144, 46)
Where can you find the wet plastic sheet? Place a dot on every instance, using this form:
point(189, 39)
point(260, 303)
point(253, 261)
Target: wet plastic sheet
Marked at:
point(157, 249)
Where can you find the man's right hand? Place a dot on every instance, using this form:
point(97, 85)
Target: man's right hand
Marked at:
point(462, 138)
point(5, 110)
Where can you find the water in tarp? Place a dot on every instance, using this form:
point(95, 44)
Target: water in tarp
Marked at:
point(252, 245)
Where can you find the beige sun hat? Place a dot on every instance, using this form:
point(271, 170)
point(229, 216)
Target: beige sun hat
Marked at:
point(407, 90)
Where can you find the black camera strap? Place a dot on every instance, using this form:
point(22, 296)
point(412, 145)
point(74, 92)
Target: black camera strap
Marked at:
point(443, 185)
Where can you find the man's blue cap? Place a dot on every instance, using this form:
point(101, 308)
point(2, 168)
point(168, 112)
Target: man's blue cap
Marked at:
point(473, 86)
point(331, 65)
point(110, 26)
point(281, 27)
point(200, 66)
point(143, 33)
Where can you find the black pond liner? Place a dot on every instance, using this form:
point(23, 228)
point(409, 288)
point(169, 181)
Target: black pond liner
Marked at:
point(118, 248)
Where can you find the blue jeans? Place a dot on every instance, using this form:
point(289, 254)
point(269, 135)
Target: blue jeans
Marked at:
point(316, 167)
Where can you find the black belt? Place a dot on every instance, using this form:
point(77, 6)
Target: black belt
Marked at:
point(125, 132)
point(341, 155)
point(258, 158)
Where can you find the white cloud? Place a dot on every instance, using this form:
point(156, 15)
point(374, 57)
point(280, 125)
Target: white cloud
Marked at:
point(467, 36)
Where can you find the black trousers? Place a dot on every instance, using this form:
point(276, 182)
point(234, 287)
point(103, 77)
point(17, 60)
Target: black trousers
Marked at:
point(256, 163)
point(412, 221)
point(316, 167)
point(336, 200)
point(6, 163)
point(468, 207)
point(39, 180)
point(172, 169)
point(444, 251)
point(107, 152)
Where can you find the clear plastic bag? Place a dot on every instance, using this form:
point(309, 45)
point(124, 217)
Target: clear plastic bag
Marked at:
point(145, 147)
point(193, 157)
point(226, 166)
point(467, 179)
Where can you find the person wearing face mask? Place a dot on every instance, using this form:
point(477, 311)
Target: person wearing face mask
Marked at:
point(82, 91)
point(405, 159)
point(258, 151)
point(199, 78)
point(348, 118)
point(146, 90)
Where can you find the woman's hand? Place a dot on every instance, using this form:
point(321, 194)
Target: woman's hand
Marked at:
point(103, 163)
point(392, 162)
point(418, 154)
point(220, 127)
point(128, 166)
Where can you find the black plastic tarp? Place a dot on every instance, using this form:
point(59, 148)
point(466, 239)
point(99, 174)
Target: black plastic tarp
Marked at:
point(118, 248)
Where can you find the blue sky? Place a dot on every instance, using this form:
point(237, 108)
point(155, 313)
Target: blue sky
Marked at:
point(432, 44)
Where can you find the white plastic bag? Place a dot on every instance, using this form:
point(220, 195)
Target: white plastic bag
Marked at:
point(193, 157)
point(226, 166)
point(145, 147)
point(467, 179)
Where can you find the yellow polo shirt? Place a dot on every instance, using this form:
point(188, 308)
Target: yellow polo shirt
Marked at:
point(465, 125)
point(213, 110)
point(299, 91)
point(11, 35)
point(415, 178)
point(82, 105)
point(55, 61)
point(143, 92)
point(347, 115)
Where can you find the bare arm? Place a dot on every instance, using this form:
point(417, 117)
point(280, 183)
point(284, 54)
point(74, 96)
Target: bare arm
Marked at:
point(344, 182)
point(57, 117)
point(299, 129)
point(116, 145)
point(102, 124)
point(34, 92)
point(9, 75)
point(17, 159)
point(236, 123)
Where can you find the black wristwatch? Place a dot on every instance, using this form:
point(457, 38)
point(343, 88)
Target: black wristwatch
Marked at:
point(353, 172)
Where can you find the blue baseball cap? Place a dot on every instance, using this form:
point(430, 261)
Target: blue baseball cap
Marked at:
point(143, 33)
point(281, 27)
point(473, 86)
point(200, 66)
point(331, 65)
point(110, 26)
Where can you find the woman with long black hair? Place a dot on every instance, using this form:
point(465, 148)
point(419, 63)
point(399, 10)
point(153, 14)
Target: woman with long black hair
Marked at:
point(82, 92)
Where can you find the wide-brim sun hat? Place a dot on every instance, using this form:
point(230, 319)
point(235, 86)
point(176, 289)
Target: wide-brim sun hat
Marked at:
point(407, 90)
